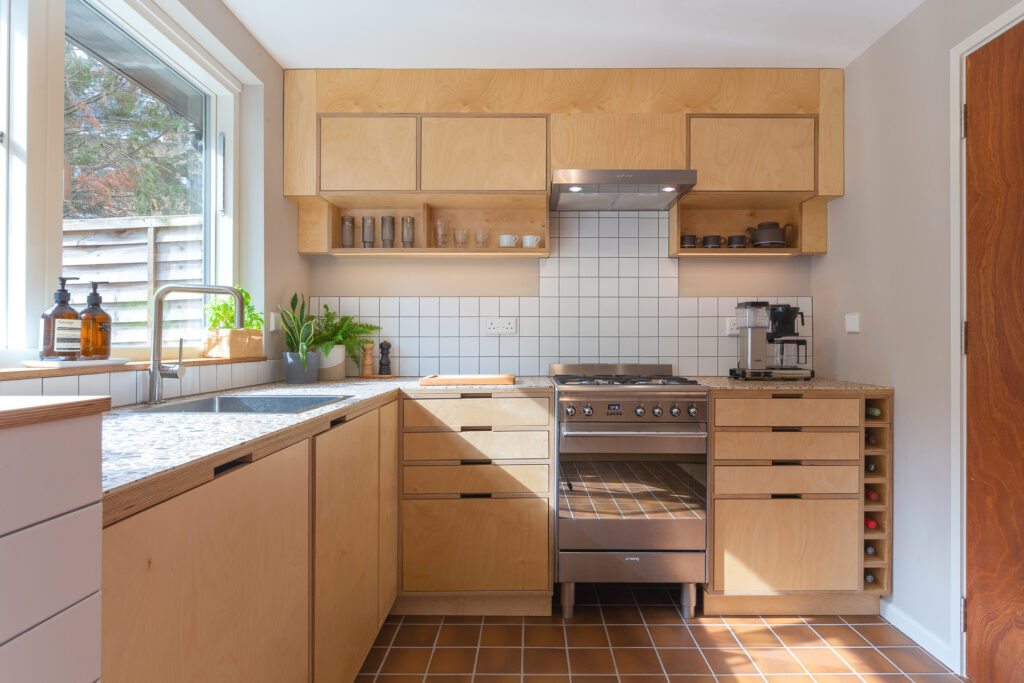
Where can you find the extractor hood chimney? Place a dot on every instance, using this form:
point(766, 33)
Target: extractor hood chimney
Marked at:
point(577, 189)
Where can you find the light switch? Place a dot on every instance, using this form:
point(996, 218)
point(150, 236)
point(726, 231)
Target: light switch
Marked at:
point(273, 321)
point(853, 323)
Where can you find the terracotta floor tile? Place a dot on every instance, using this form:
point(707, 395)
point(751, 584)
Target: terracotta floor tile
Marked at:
point(713, 636)
point(416, 635)
point(883, 635)
point(688, 661)
point(671, 636)
point(913, 660)
point(586, 614)
point(386, 633)
point(741, 678)
point(453, 635)
point(729, 661)
point(837, 678)
point(499, 678)
point(453, 660)
point(883, 678)
point(823, 619)
point(789, 679)
point(775, 660)
point(743, 620)
point(595, 679)
point(554, 618)
point(545, 660)
point(798, 636)
point(544, 636)
point(821, 661)
point(407, 660)
point(783, 620)
point(637, 660)
point(400, 678)
point(586, 636)
point(590, 661)
point(621, 614)
point(547, 679)
point(643, 678)
point(500, 635)
point(692, 679)
point(840, 636)
point(499, 660)
point(445, 678)
point(866, 660)
point(629, 636)
point(422, 619)
point(863, 619)
point(503, 620)
point(662, 614)
point(935, 678)
point(373, 659)
point(701, 619)
point(755, 636)
point(463, 619)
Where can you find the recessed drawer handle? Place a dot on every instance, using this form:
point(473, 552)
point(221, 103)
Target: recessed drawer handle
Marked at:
point(787, 429)
point(785, 463)
point(475, 462)
point(469, 428)
point(787, 395)
point(785, 496)
point(474, 396)
point(474, 495)
point(223, 468)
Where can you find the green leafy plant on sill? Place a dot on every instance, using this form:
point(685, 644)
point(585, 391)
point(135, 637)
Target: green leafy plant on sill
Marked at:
point(220, 313)
point(331, 330)
point(298, 329)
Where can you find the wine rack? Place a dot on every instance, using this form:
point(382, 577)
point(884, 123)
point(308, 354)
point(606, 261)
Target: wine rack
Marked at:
point(878, 440)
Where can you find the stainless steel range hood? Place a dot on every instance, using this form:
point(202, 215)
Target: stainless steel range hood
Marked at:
point(577, 189)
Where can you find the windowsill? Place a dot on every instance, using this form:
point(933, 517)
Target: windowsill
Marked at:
point(33, 373)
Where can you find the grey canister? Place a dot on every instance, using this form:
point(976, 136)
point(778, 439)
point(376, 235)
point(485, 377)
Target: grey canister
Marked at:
point(369, 228)
point(408, 231)
point(387, 231)
point(348, 232)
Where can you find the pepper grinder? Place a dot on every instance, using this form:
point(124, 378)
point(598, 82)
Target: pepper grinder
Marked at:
point(384, 367)
point(369, 228)
point(367, 368)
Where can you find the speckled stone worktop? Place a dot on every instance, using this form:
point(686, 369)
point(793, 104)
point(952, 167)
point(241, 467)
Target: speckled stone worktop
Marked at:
point(137, 444)
point(815, 384)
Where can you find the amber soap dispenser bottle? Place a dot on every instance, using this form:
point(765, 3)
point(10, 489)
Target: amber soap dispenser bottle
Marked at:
point(95, 327)
point(60, 330)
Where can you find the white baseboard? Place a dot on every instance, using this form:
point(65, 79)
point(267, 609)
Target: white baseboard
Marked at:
point(946, 652)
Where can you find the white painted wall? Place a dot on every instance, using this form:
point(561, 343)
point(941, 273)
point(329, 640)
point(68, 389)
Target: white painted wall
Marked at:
point(889, 260)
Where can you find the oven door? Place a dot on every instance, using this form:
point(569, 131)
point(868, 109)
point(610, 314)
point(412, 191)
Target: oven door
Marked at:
point(618, 437)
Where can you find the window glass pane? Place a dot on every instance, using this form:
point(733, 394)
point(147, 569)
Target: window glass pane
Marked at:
point(134, 196)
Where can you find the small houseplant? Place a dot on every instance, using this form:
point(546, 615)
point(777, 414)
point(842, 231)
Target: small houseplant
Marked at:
point(222, 340)
point(301, 360)
point(338, 336)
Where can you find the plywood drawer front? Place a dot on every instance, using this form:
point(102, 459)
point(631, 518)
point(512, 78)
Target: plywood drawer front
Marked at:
point(787, 412)
point(787, 545)
point(484, 153)
point(427, 479)
point(787, 446)
point(471, 544)
point(786, 479)
point(63, 648)
point(476, 412)
point(477, 446)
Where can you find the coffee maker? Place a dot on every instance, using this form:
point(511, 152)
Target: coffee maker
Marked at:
point(767, 348)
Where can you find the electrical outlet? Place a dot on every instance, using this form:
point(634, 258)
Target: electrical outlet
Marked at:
point(729, 327)
point(852, 323)
point(497, 327)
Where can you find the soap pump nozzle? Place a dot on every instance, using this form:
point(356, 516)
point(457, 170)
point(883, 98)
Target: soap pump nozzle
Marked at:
point(94, 298)
point(62, 295)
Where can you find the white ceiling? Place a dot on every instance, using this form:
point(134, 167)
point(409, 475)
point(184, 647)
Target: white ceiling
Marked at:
point(567, 33)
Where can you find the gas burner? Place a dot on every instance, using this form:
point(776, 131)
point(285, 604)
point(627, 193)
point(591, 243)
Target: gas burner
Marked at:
point(620, 380)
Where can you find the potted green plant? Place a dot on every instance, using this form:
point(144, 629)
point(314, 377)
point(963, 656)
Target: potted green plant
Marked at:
point(301, 360)
point(222, 340)
point(338, 336)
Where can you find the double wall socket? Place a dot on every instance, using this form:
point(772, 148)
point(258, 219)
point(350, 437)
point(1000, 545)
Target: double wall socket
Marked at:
point(498, 327)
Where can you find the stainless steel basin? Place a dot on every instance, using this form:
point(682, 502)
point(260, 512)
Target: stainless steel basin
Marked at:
point(245, 403)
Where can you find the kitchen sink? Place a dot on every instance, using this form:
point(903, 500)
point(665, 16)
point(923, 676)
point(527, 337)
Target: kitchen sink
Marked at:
point(244, 403)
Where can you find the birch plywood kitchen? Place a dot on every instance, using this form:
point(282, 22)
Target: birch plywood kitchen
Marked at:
point(468, 343)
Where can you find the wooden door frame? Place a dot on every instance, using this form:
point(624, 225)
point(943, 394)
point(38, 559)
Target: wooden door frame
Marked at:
point(958, 283)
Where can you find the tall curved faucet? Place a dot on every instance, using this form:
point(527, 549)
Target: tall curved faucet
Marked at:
point(158, 370)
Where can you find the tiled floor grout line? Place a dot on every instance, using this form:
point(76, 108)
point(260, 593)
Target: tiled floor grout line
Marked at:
point(522, 652)
point(875, 647)
point(604, 625)
point(648, 630)
point(479, 644)
point(743, 647)
point(387, 651)
point(433, 649)
point(696, 644)
point(788, 649)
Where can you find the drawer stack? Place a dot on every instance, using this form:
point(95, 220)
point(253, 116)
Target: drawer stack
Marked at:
point(477, 484)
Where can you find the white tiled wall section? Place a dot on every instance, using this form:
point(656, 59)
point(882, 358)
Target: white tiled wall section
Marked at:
point(126, 388)
point(608, 293)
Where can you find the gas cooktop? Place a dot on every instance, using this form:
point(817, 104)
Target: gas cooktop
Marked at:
point(591, 380)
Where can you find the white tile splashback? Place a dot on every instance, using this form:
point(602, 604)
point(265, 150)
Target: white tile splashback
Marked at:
point(607, 293)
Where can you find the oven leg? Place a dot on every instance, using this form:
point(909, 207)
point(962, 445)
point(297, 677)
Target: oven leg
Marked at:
point(689, 600)
point(568, 599)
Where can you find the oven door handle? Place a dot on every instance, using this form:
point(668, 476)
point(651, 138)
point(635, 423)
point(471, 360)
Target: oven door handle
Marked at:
point(700, 435)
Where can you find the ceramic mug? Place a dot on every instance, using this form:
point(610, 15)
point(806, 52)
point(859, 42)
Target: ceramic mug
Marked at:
point(737, 241)
point(712, 241)
point(688, 241)
point(531, 240)
point(508, 240)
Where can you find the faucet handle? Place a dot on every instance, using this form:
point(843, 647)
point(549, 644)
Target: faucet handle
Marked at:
point(181, 348)
point(178, 369)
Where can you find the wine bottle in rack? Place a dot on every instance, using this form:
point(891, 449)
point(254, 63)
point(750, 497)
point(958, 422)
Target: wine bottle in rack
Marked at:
point(869, 577)
point(871, 440)
point(869, 549)
point(870, 466)
point(870, 493)
point(873, 411)
point(870, 523)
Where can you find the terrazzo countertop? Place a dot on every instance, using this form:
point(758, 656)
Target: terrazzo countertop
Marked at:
point(138, 444)
point(814, 384)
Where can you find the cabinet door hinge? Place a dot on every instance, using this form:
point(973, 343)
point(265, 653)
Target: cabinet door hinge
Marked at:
point(963, 121)
point(963, 338)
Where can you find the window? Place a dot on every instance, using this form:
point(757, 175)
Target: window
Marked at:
point(137, 181)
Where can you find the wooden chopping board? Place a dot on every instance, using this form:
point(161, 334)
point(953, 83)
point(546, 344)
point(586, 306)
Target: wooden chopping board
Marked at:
point(462, 380)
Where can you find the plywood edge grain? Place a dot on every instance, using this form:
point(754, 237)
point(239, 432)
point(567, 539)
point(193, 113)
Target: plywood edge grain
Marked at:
point(7, 374)
point(830, 132)
point(20, 411)
point(784, 605)
point(300, 135)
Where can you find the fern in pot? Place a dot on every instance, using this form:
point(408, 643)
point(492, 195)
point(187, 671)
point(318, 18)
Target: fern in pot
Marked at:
point(338, 336)
point(302, 359)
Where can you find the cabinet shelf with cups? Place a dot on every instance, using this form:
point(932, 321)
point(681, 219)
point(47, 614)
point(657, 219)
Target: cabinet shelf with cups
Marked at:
point(729, 214)
point(472, 224)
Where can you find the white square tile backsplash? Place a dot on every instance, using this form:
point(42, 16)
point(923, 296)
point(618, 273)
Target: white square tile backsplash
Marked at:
point(607, 293)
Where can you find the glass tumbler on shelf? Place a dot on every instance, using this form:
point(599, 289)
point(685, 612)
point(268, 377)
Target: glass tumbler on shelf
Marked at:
point(481, 237)
point(442, 233)
point(461, 238)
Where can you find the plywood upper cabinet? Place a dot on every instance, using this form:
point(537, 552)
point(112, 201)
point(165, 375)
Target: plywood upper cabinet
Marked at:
point(367, 153)
point(484, 153)
point(762, 154)
point(614, 140)
point(300, 132)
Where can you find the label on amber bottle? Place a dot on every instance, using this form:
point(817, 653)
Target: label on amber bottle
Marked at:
point(67, 335)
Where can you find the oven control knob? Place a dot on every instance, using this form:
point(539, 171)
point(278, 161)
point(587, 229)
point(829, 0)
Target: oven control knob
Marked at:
point(674, 411)
point(587, 410)
point(692, 410)
point(570, 411)
point(639, 411)
point(656, 411)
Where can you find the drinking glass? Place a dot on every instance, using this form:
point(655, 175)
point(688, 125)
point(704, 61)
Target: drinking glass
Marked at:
point(442, 233)
point(461, 238)
point(481, 237)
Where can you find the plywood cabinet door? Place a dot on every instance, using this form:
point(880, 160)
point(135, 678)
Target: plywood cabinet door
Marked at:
point(765, 154)
point(213, 585)
point(484, 153)
point(615, 140)
point(786, 545)
point(346, 555)
point(367, 153)
point(388, 552)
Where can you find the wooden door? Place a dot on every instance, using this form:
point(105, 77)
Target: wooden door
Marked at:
point(484, 153)
point(763, 153)
point(995, 366)
point(388, 563)
point(346, 555)
point(213, 585)
point(368, 153)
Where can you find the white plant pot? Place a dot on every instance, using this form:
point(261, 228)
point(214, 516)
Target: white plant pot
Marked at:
point(332, 367)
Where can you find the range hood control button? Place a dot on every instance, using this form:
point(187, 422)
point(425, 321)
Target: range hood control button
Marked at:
point(674, 411)
point(656, 411)
point(639, 411)
point(692, 410)
point(587, 410)
point(570, 411)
